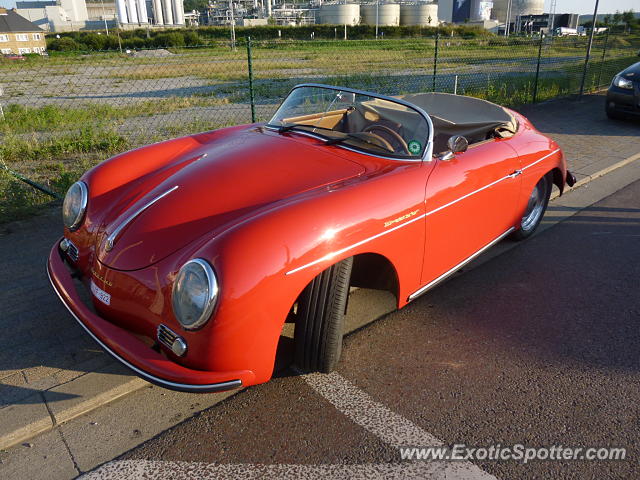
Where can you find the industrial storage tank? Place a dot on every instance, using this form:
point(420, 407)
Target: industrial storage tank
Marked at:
point(344, 14)
point(423, 14)
point(388, 14)
point(518, 7)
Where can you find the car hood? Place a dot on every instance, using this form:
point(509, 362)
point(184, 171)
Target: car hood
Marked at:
point(213, 188)
point(632, 72)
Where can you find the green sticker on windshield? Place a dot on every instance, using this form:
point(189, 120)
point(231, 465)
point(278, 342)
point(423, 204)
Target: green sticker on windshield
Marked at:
point(414, 147)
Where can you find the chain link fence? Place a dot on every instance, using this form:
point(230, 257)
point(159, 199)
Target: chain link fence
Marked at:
point(65, 112)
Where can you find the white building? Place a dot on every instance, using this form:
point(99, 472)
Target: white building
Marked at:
point(66, 15)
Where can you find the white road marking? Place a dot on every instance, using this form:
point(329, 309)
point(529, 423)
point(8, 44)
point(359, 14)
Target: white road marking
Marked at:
point(139, 469)
point(349, 400)
point(374, 417)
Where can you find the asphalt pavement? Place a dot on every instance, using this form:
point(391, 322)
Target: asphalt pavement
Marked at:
point(513, 366)
point(538, 346)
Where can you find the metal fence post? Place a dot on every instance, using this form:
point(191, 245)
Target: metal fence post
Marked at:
point(35, 185)
point(604, 54)
point(588, 54)
point(251, 93)
point(435, 62)
point(535, 85)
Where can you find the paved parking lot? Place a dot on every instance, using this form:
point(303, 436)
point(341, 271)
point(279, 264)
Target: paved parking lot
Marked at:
point(537, 347)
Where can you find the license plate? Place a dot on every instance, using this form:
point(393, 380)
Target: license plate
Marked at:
point(100, 294)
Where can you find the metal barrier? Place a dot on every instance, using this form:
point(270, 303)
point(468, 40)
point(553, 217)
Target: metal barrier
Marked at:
point(65, 112)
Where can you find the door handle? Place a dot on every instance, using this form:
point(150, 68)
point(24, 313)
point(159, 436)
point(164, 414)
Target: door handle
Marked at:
point(515, 173)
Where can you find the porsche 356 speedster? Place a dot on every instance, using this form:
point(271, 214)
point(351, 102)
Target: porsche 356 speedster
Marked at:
point(195, 251)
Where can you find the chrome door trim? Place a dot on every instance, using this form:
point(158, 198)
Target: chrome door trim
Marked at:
point(446, 274)
point(431, 212)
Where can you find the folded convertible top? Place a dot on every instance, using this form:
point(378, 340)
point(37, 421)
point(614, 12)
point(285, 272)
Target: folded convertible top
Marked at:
point(460, 115)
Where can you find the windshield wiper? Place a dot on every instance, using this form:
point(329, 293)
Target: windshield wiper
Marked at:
point(302, 126)
point(286, 128)
point(356, 136)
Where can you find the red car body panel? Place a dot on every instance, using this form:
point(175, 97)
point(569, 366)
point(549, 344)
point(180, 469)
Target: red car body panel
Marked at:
point(269, 212)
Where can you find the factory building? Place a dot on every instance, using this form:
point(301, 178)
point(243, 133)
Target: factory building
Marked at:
point(153, 12)
point(66, 15)
point(517, 8)
point(283, 12)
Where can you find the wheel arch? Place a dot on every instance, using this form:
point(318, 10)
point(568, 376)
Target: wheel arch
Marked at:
point(558, 178)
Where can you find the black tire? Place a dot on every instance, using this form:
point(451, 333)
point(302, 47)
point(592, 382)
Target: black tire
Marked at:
point(612, 114)
point(320, 319)
point(530, 221)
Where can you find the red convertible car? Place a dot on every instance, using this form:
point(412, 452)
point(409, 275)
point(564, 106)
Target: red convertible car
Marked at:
point(197, 250)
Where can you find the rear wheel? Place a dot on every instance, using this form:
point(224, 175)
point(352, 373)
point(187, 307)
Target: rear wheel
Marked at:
point(320, 318)
point(537, 205)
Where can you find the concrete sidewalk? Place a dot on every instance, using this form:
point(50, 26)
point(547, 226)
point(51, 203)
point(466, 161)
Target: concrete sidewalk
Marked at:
point(51, 371)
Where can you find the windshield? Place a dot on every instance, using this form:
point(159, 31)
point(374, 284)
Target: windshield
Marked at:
point(354, 120)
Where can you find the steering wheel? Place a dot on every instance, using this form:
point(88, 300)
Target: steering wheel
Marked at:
point(377, 140)
point(396, 140)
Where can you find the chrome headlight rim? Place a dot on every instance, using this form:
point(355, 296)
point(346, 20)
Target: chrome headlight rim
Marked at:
point(212, 297)
point(84, 198)
point(622, 82)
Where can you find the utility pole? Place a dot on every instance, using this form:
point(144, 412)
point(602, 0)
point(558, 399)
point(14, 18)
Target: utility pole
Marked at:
point(508, 22)
point(377, 7)
point(586, 58)
point(233, 26)
point(104, 17)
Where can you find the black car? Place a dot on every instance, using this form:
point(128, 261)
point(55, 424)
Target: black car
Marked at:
point(623, 96)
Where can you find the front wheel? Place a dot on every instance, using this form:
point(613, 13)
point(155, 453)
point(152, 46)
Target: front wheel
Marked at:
point(320, 319)
point(537, 205)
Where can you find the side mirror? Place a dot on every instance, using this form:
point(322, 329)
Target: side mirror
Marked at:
point(455, 144)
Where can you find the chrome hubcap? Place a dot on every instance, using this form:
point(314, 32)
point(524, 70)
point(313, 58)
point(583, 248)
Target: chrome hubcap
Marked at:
point(534, 207)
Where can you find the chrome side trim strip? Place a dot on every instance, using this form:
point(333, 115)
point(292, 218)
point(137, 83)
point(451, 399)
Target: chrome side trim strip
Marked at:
point(357, 244)
point(111, 239)
point(435, 282)
point(540, 159)
point(185, 387)
point(435, 210)
point(453, 202)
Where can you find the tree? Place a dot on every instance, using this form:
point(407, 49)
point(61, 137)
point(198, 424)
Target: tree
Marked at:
point(617, 18)
point(628, 18)
point(195, 5)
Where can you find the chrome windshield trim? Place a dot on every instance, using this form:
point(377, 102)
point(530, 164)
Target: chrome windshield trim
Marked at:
point(111, 239)
point(185, 387)
point(446, 274)
point(428, 151)
point(346, 147)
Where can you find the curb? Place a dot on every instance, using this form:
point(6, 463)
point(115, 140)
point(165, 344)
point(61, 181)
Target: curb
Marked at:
point(45, 410)
point(41, 414)
point(598, 174)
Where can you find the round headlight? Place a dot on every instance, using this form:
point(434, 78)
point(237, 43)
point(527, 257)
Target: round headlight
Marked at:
point(74, 205)
point(194, 293)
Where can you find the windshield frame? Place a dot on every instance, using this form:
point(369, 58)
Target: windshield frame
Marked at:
point(428, 150)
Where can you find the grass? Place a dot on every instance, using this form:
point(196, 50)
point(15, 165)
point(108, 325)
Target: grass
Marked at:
point(53, 118)
point(18, 200)
point(54, 139)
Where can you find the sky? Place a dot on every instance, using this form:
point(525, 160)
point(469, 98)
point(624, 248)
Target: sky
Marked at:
point(562, 6)
point(586, 6)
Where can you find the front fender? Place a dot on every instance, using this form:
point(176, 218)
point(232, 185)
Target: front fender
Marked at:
point(265, 262)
